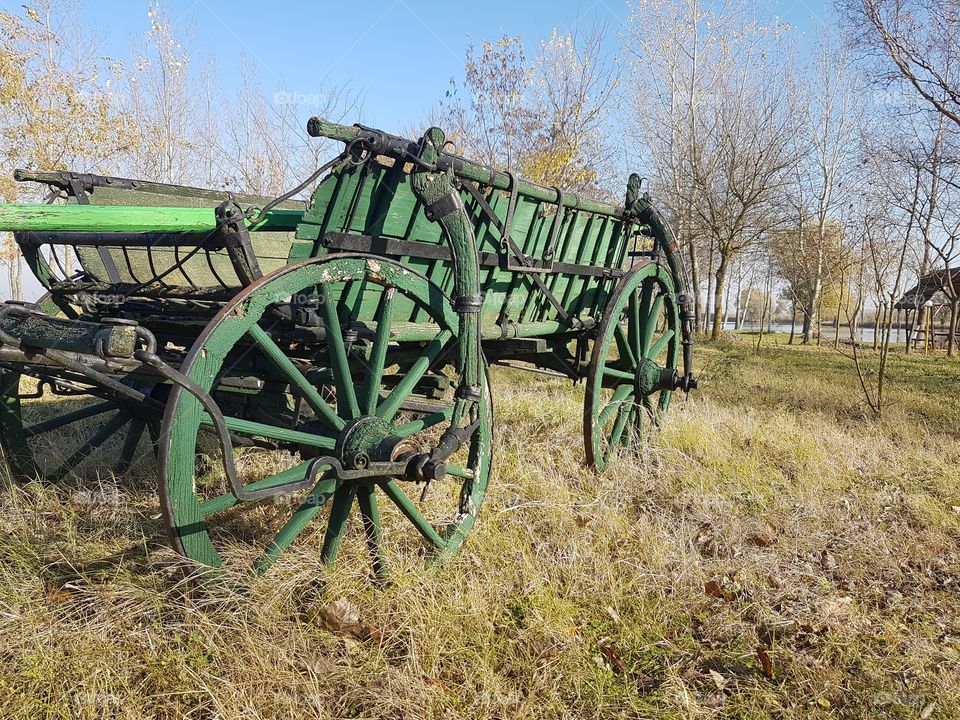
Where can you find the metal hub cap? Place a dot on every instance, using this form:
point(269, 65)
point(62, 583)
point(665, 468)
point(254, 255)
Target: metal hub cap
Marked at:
point(369, 438)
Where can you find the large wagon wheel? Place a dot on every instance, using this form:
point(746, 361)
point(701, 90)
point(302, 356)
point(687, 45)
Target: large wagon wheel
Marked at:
point(353, 402)
point(633, 363)
point(80, 429)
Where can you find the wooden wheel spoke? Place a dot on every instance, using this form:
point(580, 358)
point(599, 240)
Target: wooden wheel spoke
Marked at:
point(661, 343)
point(648, 405)
point(308, 509)
point(415, 426)
point(99, 438)
point(378, 355)
point(459, 472)
point(619, 374)
point(59, 421)
point(258, 429)
point(391, 405)
point(651, 323)
point(623, 346)
point(347, 406)
point(286, 366)
point(400, 499)
point(130, 444)
point(630, 430)
point(620, 395)
point(228, 500)
point(370, 515)
point(337, 523)
point(639, 313)
point(620, 425)
point(638, 419)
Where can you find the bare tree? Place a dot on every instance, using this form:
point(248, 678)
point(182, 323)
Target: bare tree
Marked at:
point(543, 117)
point(916, 41)
point(58, 106)
point(713, 104)
point(828, 167)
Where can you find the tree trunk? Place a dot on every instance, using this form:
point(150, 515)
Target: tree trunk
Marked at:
point(878, 318)
point(14, 274)
point(726, 307)
point(737, 322)
point(793, 321)
point(910, 329)
point(718, 295)
point(695, 285)
point(810, 311)
point(952, 327)
point(836, 334)
point(708, 316)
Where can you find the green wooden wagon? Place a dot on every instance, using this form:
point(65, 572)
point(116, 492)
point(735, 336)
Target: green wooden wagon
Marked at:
point(334, 352)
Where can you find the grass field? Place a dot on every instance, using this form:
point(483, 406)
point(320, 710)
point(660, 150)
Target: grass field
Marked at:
point(772, 552)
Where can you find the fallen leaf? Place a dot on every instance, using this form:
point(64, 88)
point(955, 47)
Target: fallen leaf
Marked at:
point(713, 589)
point(342, 618)
point(763, 537)
point(616, 662)
point(719, 680)
point(766, 666)
point(928, 711)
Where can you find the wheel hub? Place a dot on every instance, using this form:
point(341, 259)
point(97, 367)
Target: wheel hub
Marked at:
point(370, 439)
point(647, 379)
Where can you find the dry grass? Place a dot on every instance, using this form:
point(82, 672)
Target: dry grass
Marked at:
point(769, 513)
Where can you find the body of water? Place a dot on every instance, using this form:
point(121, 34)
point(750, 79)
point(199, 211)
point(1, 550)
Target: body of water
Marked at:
point(827, 332)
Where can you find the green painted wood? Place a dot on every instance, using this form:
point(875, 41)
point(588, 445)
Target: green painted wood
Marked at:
point(110, 218)
point(346, 391)
point(372, 528)
point(337, 522)
point(290, 371)
point(409, 510)
point(308, 509)
point(391, 404)
point(274, 432)
point(13, 440)
point(630, 361)
point(186, 509)
point(370, 395)
point(225, 502)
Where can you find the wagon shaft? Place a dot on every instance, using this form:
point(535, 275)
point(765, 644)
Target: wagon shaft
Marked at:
point(347, 335)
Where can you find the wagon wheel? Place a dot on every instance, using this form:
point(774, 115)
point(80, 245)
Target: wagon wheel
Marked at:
point(80, 430)
point(634, 357)
point(352, 401)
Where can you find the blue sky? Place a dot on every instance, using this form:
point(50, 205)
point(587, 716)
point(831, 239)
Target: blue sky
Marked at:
point(399, 54)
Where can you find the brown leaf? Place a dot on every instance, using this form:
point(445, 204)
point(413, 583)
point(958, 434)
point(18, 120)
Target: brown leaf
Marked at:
point(766, 666)
point(342, 618)
point(714, 589)
point(616, 662)
point(719, 680)
point(764, 536)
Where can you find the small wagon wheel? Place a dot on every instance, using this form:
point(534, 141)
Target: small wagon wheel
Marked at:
point(633, 362)
point(354, 393)
point(86, 430)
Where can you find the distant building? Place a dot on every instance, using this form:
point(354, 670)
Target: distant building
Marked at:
point(934, 292)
